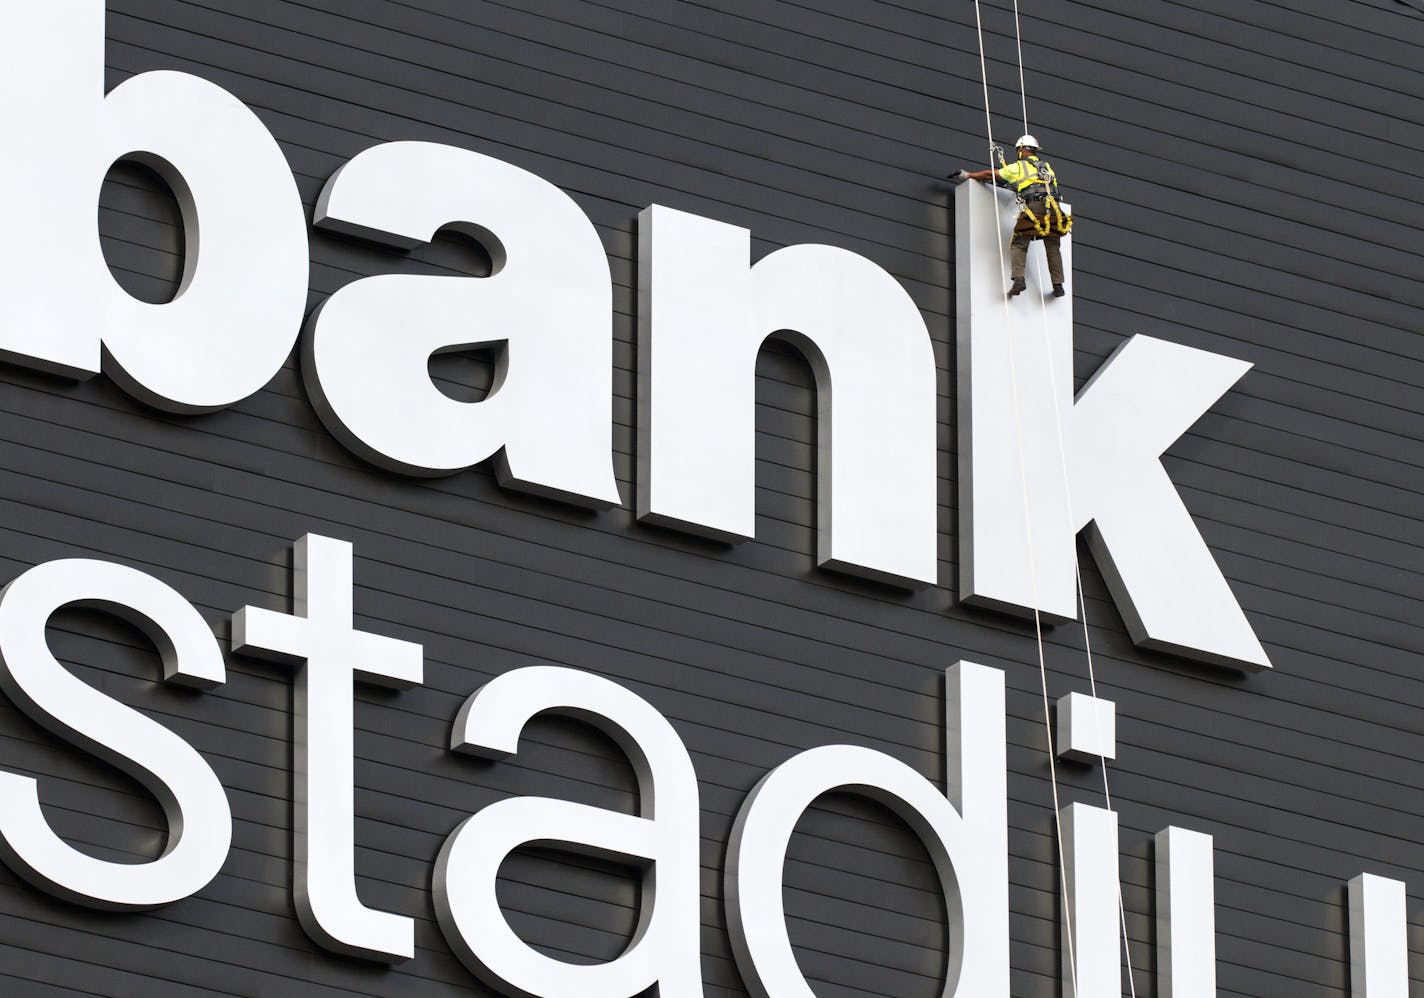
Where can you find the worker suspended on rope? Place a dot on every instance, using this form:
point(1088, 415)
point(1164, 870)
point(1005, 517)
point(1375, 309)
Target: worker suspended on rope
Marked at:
point(1040, 216)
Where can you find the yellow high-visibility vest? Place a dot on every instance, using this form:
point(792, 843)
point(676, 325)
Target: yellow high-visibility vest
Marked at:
point(1029, 175)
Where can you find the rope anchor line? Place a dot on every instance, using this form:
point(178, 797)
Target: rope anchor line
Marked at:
point(1028, 529)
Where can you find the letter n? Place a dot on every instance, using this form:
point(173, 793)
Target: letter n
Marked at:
point(703, 313)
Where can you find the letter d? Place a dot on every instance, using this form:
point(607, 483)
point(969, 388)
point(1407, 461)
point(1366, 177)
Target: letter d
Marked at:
point(964, 830)
point(243, 292)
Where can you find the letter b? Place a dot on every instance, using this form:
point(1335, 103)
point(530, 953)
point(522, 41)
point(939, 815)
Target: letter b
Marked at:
point(243, 291)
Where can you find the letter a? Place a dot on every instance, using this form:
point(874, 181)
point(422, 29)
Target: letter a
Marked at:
point(664, 838)
point(548, 306)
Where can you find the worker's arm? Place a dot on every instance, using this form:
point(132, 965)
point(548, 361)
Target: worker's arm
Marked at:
point(959, 176)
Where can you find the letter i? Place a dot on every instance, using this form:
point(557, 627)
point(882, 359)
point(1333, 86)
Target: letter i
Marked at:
point(1089, 917)
point(1087, 733)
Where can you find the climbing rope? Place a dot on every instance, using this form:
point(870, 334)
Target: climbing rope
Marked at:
point(1023, 90)
point(1028, 525)
point(1043, 227)
point(1083, 616)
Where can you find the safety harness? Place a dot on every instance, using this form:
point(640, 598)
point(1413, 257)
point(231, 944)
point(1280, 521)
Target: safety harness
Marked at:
point(1054, 221)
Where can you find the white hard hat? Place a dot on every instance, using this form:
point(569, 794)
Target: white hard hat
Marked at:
point(1026, 140)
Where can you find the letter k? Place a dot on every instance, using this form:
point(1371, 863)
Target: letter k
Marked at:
point(1036, 465)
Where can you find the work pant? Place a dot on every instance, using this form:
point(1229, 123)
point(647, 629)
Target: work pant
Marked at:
point(1025, 233)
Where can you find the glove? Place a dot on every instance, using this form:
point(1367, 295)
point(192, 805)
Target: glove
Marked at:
point(958, 176)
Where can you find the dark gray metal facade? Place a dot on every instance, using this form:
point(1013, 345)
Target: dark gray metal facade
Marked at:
point(1247, 178)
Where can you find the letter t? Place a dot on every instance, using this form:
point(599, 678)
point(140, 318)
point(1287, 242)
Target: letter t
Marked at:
point(319, 637)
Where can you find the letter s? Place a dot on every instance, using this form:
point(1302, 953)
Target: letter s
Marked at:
point(199, 819)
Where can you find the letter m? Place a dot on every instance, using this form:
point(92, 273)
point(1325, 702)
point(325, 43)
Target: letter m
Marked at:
point(1036, 466)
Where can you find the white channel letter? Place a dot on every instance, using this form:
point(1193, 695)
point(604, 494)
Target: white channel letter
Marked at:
point(1163, 578)
point(548, 301)
point(1089, 903)
point(243, 291)
point(1086, 728)
point(966, 836)
point(703, 313)
point(330, 655)
point(1379, 938)
point(193, 801)
point(664, 840)
point(1186, 914)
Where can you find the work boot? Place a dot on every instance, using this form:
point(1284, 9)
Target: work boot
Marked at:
point(1058, 291)
point(1018, 287)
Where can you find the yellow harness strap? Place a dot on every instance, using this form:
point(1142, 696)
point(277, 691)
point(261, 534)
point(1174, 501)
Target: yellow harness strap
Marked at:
point(1054, 221)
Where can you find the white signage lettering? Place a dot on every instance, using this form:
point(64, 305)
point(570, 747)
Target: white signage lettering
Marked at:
point(1036, 466)
point(548, 304)
point(966, 836)
point(319, 638)
point(199, 820)
point(1088, 920)
point(964, 829)
point(1379, 938)
point(1186, 914)
point(244, 286)
point(664, 839)
point(704, 311)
